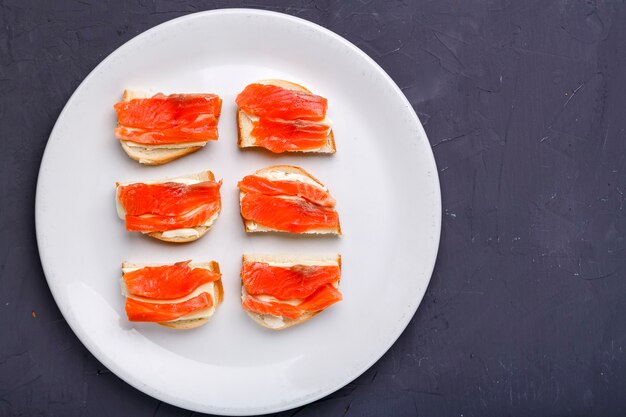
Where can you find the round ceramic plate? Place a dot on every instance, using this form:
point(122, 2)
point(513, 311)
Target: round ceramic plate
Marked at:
point(383, 177)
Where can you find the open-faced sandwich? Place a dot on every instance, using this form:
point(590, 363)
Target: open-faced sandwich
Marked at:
point(183, 295)
point(285, 198)
point(158, 129)
point(279, 291)
point(283, 117)
point(174, 210)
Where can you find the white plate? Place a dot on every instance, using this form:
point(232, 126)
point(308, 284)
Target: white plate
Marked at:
point(383, 177)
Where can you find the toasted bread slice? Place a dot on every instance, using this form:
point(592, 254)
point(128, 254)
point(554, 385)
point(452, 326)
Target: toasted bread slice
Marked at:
point(244, 123)
point(279, 323)
point(294, 174)
point(216, 291)
point(179, 235)
point(155, 154)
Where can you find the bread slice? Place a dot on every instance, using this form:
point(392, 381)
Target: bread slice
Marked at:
point(244, 123)
point(183, 323)
point(295, 174)
point(155, 154)
point(189, 235)
point(279, 323)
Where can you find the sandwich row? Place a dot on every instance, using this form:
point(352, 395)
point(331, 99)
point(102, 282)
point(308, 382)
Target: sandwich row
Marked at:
point(273, 114)
point(278, 198)
point(276, 291)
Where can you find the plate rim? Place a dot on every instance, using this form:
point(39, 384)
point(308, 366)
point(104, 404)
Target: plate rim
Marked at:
point(109, 362)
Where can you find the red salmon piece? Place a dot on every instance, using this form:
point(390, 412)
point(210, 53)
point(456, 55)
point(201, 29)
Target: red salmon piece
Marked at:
point(169, 206)
point(176, 118)
point(325, 296)
point(288, 214)
point(287, 283)
point(167, 281)
point(252, 303)
point(270, 101)
point(261, 185)
point(157, 223)
point(168, 199)
point(156, 312)
point(282, 136)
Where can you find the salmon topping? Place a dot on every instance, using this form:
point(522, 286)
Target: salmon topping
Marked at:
point(252, 303)
point(283, 136)
point(273, 102)
point(325, 296)
point(169, 206)
point(161, 312)
point(299, 281)
point(176, 118)
point(260, 185)
point(288, 214)
point(167, 281)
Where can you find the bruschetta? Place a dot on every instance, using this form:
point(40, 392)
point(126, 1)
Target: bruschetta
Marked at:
point(155, 130)
point(182, 295)
point(279, 291)
point(176, 210)
point(285, 198)
point(282, 116)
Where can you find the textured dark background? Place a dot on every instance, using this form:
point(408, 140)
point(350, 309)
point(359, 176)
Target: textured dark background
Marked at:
point(524, 104)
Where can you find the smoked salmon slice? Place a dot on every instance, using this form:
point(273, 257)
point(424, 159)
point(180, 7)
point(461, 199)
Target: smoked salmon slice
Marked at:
point(252, 303)
point(156, 223)
point(175, 118)
point(282, 136)
point(298, 281)
point(169, 205)
point(288, 214)
point(168, 198)
point(261, 185)
point(137, 310)
point(167, 281)
point(325, 296)
point(273, 102)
